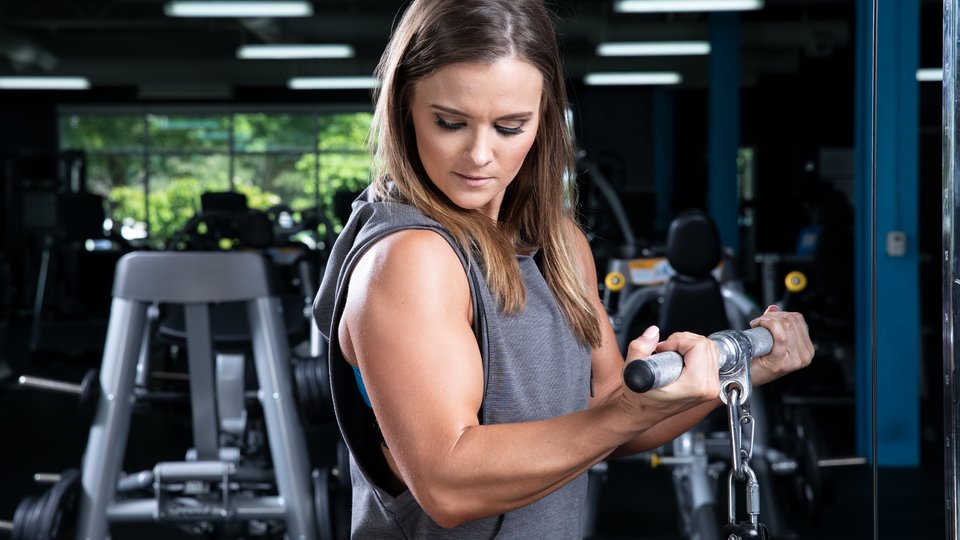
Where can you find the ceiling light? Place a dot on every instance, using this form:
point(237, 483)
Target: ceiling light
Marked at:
point(274, 52)
point(44, 83)
point(192, 8)
point(654, 48)
point(333, 83)
point(651, 6)
point(929, 74)
point(629, 79)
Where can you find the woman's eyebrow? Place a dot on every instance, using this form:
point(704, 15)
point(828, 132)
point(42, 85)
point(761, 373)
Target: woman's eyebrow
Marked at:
point(511, 116)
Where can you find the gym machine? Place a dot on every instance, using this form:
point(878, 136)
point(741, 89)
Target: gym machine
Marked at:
point(247, 473)
point(638, 289)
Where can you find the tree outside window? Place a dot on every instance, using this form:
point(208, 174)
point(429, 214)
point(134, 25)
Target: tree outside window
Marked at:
point(153, 167)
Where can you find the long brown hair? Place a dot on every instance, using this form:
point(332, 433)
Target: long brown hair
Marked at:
point(537, 206)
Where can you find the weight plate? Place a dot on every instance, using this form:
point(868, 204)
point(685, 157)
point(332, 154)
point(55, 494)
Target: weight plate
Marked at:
point(22, 517)
point(343, 464)
point(808, 479)
point(57, 516)
point(298, 384)
point(321, 503)
point(34, 523)
point(314, 390)
point(308, 396)
point(89, 390)
point(324, 399)
point(48, 520)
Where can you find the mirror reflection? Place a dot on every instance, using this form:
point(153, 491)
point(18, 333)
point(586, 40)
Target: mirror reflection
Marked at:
point(723, 151)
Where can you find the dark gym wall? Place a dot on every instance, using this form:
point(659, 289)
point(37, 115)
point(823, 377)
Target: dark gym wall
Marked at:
point(788, 119)
point(616, 131)
point(27, 125)
point(614, 127)
point(28, 122)
point(690, 163)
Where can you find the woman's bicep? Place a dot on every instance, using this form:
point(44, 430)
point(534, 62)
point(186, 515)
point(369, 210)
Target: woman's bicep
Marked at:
point(407, 315)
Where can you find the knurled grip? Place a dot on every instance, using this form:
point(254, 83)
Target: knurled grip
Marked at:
point(661, 369)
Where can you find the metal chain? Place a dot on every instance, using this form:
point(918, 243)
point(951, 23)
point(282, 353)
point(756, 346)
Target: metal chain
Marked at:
point(739, 417)
point(736, 435)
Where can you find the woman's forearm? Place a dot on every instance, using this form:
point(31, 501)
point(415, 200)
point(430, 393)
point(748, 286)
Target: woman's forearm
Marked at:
point(492, 469)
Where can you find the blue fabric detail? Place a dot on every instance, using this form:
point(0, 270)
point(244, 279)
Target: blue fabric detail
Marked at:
point(362, 387)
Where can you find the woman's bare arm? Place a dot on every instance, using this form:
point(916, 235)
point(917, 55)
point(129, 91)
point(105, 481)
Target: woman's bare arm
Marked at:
point(408, 323)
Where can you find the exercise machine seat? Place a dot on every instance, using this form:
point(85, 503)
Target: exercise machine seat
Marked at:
point(692, 301)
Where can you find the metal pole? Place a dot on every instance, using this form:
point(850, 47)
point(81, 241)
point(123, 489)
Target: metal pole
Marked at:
point(951, 287)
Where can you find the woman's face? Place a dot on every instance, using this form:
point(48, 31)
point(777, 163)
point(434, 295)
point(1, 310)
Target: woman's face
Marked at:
point(474, 124)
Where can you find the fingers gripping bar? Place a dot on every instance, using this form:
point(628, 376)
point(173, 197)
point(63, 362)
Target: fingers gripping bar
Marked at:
point(736, 348)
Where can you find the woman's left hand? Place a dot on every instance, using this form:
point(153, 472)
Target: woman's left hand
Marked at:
point(792, 348)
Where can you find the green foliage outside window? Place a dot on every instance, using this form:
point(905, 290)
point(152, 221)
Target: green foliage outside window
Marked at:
point(153, 167)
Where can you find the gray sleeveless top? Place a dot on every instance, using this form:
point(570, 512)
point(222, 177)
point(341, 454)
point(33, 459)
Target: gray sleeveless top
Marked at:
point(534, 369)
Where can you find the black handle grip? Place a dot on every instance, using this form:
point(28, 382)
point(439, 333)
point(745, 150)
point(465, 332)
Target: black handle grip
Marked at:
point(653, 372)
point(663, 368)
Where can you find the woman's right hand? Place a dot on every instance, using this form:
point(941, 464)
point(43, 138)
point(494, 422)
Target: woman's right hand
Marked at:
point(699, 380)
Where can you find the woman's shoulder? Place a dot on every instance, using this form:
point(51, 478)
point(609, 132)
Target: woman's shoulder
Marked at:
point(414, 255)
point(415, 243)
point(412, 270)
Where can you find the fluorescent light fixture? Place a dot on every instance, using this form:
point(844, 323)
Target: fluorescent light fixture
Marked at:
point(332, 83)
point(195, 8)
point(44, 83)
point(631, 79)
point(929, 74)
point(282, 52)
point(654, 48)
point(659, 6)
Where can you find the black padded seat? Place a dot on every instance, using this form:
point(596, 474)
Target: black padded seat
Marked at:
point(692, 300)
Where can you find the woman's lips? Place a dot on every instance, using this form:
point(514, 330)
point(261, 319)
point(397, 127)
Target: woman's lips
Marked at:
point(474, 181)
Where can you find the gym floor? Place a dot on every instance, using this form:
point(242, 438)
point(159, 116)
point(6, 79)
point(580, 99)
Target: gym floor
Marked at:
point(44, 432)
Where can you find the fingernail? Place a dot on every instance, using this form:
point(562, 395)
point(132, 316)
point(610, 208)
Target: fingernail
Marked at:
point(773, 307)
point(651, 333)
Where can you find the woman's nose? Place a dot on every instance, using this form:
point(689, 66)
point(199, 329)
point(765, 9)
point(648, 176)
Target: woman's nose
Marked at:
point(480, 151)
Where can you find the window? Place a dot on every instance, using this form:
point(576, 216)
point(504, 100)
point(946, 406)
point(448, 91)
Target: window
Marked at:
point(153, 166)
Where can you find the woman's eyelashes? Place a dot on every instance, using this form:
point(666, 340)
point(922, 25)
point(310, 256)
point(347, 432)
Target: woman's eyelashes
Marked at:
point(449, 126)
point(510, 131)
point(454, 126)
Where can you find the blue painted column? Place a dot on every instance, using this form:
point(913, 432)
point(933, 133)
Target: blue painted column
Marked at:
point(897, 304)
point(724, 135)
point(663, 156)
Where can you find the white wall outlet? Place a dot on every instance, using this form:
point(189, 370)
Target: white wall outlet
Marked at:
point(896, 244)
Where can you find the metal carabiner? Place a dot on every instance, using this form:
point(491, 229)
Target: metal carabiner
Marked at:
point(745, 419)
point(752, 496)
point(739, 416)
point(736, 436)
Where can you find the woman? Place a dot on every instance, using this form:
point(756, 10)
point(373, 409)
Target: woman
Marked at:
point(475, 374)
